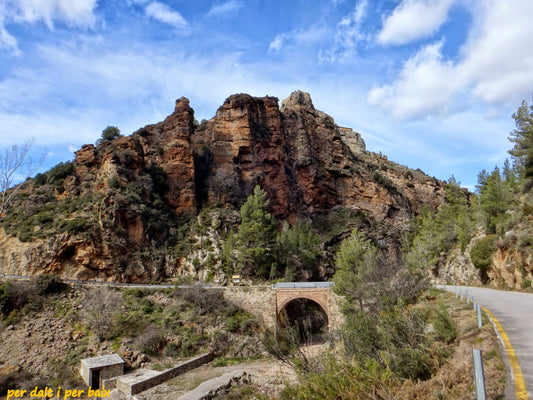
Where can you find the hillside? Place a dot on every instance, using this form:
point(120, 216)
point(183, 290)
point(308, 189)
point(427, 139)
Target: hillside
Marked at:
point(161, 202)
point(487, 237)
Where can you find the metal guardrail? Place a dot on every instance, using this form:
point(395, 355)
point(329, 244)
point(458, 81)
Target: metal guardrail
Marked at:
point(280, 285)
point(477, 358)
point(301, 285)
point(478, 374)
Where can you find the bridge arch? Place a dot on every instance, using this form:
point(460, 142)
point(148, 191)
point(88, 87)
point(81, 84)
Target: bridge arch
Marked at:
point(319, 293)
point(285, 302)
point(310, 317)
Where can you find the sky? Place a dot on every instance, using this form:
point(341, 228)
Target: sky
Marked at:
point(432, 84)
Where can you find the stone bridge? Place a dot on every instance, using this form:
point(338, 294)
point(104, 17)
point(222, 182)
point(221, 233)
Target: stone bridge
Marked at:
point(268, 302)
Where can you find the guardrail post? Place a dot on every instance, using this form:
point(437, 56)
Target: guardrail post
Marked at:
point(478, 374)
point(479, 321)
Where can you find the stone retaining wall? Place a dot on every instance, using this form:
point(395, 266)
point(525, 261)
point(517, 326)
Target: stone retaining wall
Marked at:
point(133, 385)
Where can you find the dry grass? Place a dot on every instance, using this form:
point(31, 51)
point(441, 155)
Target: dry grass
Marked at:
point(455, 379)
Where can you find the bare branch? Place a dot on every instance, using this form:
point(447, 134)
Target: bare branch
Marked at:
point(15, 161)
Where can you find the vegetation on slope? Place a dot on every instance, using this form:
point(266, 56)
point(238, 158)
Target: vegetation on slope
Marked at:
point(396, 339)
point(494, 221)
point(152, 327)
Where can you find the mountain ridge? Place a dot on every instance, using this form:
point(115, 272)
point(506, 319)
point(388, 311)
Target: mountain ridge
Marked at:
point(121, 209)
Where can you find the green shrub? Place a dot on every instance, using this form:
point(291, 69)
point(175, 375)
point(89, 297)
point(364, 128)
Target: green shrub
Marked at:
point(189, 344)
point(482, 252)
point(13, 297)
point(343, 380)
point(172, 350)
point(110, 133)
point(25, 236)
point(394, 338)
point(360, 336)
point(44, 217)
point(57, 174)
point(240, 321)
point(444, 325)
point(74, 225)
point(49, 284)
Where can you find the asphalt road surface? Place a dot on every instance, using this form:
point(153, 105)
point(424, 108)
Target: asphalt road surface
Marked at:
point(514, 311)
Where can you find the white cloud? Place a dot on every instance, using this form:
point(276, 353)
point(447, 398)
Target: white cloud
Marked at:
point(495, 66)
point(78, 14)
point(498, 56)
point(414, 19)
point(165, 14)
point(277, 43)
point(8, 41)
point(425, 84)
point(348, 34)
point(297, 38)
point(73, 13)
point(223, 9)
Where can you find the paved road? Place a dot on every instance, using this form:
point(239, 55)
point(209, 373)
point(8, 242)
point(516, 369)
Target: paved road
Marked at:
point(515, 313)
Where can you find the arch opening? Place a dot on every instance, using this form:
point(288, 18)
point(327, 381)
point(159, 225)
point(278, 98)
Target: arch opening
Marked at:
point(307, 317)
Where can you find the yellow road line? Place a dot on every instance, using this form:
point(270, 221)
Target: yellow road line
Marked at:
point(520, 384)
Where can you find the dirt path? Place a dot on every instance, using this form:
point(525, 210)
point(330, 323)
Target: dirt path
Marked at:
point(269, 373)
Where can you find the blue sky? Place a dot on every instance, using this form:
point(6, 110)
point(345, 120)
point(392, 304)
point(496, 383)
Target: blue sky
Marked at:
point(432, 84)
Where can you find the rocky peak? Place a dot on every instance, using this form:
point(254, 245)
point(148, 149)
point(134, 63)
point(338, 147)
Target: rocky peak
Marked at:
point(352, 139)
point(297, 100)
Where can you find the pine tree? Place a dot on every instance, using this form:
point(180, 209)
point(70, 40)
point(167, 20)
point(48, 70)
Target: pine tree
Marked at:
point(356, 262)
point(495, 199)
point(522, 152)
point(255, 240)
point(298, 249)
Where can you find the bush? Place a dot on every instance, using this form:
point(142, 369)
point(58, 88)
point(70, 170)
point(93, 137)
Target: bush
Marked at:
point(56, 175)
point(205, 301)
point(343, 380)
point(14, 296)
point(16, 380)
point(172, 350)
point(482, 252)
point(49, 284)
point(110, 133)
point(393, 338)
point(100, 312)
point(443, 324)
point(150, 341)
point(240, 321)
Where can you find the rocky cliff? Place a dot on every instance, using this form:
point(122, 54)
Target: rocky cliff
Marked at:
point(123, 209)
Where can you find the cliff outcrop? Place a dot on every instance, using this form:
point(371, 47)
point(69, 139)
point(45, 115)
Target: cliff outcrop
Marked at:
point(121, 210)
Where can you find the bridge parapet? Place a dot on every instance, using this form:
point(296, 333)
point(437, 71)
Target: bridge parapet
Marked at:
point(301, 285)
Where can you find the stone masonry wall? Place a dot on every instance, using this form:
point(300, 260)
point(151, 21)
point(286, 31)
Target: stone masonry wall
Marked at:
point(258, 300)
point(266, 303)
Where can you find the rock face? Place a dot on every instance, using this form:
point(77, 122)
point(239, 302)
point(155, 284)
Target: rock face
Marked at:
point(136, 190)
point(305, 162)
point(168, 145)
